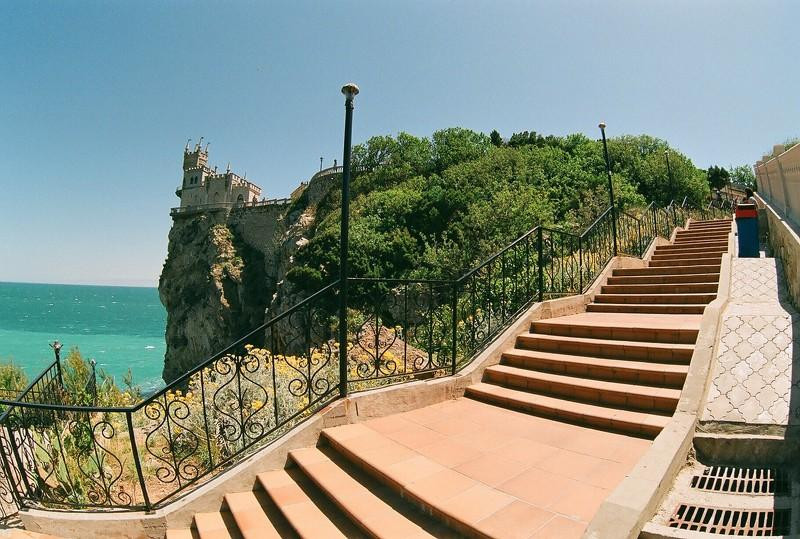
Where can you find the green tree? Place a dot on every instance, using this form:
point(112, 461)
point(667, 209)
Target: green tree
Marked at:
point(744, 175)
point(718, 177)
point(495, 138)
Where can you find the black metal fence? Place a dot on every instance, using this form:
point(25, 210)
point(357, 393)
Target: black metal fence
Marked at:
point(56, 454)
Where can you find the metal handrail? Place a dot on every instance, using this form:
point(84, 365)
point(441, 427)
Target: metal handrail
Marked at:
point(442, 325)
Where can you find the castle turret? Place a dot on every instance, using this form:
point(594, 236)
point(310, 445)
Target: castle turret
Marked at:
point(202, 185)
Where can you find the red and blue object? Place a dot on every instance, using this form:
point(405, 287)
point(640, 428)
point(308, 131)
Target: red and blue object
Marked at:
point(747, 228)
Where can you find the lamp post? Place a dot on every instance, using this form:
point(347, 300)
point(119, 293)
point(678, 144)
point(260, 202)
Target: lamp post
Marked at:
point(350, 91)
point(602, 127)
point(320, 164)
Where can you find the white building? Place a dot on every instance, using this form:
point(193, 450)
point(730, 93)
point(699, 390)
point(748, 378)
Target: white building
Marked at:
point(202, 185)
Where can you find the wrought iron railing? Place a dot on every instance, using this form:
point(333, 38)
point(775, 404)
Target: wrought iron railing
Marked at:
point(56, 454)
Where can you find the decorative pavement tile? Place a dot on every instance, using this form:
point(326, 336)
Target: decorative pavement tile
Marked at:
point(757, 366)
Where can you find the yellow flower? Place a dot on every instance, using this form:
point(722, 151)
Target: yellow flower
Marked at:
point(256, 404)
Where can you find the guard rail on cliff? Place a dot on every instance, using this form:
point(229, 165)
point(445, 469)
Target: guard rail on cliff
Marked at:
point(55, 454)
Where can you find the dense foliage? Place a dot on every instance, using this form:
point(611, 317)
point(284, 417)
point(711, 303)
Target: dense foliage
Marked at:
point(433, 207)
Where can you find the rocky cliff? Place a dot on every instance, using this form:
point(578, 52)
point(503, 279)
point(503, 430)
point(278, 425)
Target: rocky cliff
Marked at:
point(224, 274)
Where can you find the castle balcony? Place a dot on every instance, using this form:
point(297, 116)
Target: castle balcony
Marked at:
point(200, 208)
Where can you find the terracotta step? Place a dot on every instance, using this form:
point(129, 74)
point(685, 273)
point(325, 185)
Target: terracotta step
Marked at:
point(606, 417)
point(643, 372)
point(180, 533)
point(648, 308)
point(439, 491)
point(662, 288)
point(669, 270)
point(641, 351)
point(251, 520)
point(603, 392)
point(692, 247)
point(703, 222)
point(699, 238)
point(616, 331)
point(705, 261)
point(368, 511)
point(211, 526)
point(665, 279)
point(709, 227)
point(657, 257)
point(656, 299)
point(307, 519)
point(704, 234)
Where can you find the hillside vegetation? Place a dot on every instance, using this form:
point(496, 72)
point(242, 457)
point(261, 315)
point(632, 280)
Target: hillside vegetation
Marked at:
point(433, 207)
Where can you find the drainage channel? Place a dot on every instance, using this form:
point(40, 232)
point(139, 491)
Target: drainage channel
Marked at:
point(745, 522)
point(734, 480)
point(726, 521)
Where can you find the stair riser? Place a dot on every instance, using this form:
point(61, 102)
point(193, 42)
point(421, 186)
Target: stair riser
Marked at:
point(686, 256)
point(645, 309)
point(612, 374)
point(584, 394)
point(638, 299)
point(691, 248)
point(610, 350)
point(630, 272)
point(566, 415)
point(679, 288)
point(691, 243)
point(682, 336)
point(665, 279)
point(703, 226)
point(462, 527)
point(683, 262)
point(715, 233)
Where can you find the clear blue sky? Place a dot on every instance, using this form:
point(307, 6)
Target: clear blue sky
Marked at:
point(98, 98)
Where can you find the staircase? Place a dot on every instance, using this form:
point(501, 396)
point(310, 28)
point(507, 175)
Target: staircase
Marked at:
point(535, 447)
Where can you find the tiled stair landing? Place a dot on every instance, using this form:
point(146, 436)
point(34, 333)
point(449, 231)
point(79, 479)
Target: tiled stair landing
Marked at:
point(532, 451)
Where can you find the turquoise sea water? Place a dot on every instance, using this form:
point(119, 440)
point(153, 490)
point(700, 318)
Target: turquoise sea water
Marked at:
point(120, 327)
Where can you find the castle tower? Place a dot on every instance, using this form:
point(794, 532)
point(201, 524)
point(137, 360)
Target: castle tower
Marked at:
point(195, 171)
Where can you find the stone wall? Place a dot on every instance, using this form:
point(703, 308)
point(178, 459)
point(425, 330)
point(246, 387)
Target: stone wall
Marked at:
point(784, 240)
point(778, 181)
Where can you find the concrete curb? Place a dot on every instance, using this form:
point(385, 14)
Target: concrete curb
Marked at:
point(634, 502)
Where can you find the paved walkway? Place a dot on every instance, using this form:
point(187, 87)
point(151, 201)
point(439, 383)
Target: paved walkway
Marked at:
point(753, 379)
point(542, 475)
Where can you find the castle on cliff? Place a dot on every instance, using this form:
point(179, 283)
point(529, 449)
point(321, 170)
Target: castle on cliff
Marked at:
point(203, 186)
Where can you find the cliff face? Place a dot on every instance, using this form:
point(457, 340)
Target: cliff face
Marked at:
point(224, 274)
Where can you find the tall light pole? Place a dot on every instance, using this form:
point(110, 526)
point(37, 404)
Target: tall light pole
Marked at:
point(350, 91)
point(602, 127)
point(320, 164)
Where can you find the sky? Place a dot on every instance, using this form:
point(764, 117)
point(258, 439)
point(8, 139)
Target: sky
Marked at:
point(98, 98)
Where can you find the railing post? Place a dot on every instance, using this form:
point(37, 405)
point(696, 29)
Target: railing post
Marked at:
point(540, 263)
point(136, 461)
point(20, 468)
point(580, 263)
point(639, 228)
point(454, 307)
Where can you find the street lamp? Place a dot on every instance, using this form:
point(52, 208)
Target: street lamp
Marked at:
point(350, 91)
point(320, 164)
point(602, 127)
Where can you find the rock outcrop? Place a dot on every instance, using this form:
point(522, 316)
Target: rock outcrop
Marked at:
point(224, 273)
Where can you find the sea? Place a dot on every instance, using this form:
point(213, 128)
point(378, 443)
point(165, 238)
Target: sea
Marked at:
point(120, 327)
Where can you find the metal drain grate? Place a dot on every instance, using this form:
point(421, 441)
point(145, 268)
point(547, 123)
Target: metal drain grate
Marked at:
point(742, 480)
point(742, 522)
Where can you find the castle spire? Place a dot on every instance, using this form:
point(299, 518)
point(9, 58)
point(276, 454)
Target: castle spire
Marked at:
point(229, 168)
point(186, 149)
